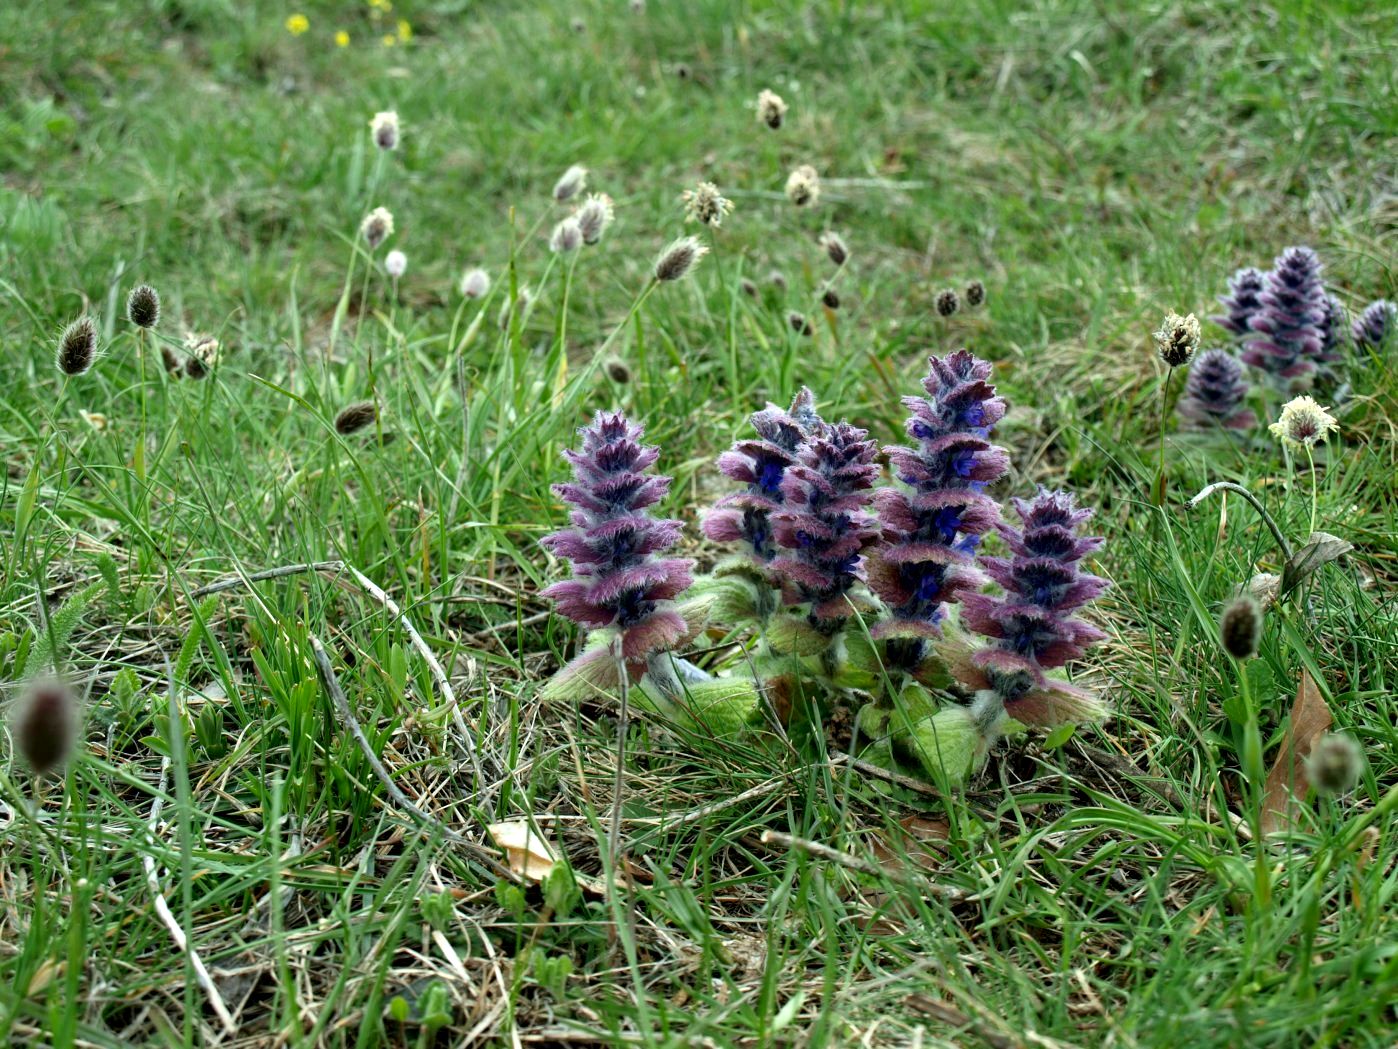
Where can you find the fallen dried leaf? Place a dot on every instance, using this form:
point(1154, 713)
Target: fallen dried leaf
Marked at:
point(1320, 549)
point(1287, 781)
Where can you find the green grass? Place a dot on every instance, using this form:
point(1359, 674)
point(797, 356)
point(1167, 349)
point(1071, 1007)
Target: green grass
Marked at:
point(1094, 164)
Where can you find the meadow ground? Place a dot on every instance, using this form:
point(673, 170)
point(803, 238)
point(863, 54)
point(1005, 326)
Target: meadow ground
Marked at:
point(1094, 164)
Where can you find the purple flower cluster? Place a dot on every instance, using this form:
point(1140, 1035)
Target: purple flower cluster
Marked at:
point(1033, 625)
point(1242, 301)
point(1372, 326)
point(823, 525)
point(761, 464)
point(929, 534)
point(1292, 309)
point(619, 581)
point(1214, 393)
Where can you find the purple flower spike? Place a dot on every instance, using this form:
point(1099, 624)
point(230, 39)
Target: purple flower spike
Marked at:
point(930, 534)
point(1333, 332)
point(619, 583)
point(761, 464)
point(1293, 305)
point(1241, 302)
point(1032, 626)
point(1214, 393)
point(1374, 325)
point(823, 525)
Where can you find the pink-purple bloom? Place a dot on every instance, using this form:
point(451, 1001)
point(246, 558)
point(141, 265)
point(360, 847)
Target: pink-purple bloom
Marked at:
point(761, 463)
point(1289, 342)
point(1242, 301)
point(823, 525)
point(1033, 627)
point(620, 582)
point(1214, 393)
point(930, 532)
point(1373, 326)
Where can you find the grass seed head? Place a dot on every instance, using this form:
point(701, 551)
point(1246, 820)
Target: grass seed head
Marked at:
point(203, 355)
point(570, 183)
point(948, 302)
point(777, 279)
point(771, 108)
point(77, 347)
point(594, 216)
point(385, 129)
point(1178, 339)
point(44, 727)
point(475, 283)
point(835, 247)
point(395, 263)
point(706, 204)
point(676, 261)
point(799, 324)
point(143, 306)
point(748, 288)
point(830, 299)
point(975, 294)
point(803, 186)
point(567, 237)
point(356, 417)
point(377, 227)
point(1240, 627)
point(1335, 763)
point(1303, 423)
point(617, 371)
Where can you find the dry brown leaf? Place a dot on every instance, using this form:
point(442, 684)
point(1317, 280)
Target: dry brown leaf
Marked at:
point(915, 847)
point(528, 855)
point(1287, 780)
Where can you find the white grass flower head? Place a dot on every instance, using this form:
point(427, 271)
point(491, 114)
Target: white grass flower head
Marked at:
point(803, 186)
point(377, 227)
point(706, 204)
point(384, 127)
point(1178, 339)
point(570, 184)
point(771, 108)
point(1303, 423)
point(567, 237)
point(396, 263)
point(594, 216)
point(475, 283)
point(679, 258)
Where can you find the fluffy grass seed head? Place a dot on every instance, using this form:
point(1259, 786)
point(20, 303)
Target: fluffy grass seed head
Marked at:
point(1240, 626)
point(748, 287)
point(396, 263)
point(777, 279)
point(45, 724)
point(830, 299)
point(143, 306)
point(202, 355)
point(948, 302)
point(77, 347)
point(706, 204)
point(355, 417)
point(1303, 423)
point(835, 247)
point(771, 108)
point(1335, 763)
point(799, 324)
point(803, 186)
point(570, 183)
point(1178, 339)
point(567, 237)
point(594, 216)
point(377, 227)
point(617, 371)
point(475, 283)
point(975, 294)
point(679, 258)
point(384, 127)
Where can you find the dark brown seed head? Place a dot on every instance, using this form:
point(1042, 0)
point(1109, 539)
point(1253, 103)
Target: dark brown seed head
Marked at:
point(835, 247)
point(683, 71)
point(748, 288)
point(831, 299)
point(948, 302)
point(975, 293)
point(355, 418)
point(1240, 627)
point(143, 306)
point(171, 360)
point(777, 279)
point(1335, 764)
point(77, 347)
point(44, 730)
point(798, 323)
point(679, 258)
point(617, 371)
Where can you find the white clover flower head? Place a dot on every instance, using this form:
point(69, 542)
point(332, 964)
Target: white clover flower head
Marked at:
point(706, 204)
point(384, 127)
point(1178, 339)
point(771, 108)
point(567, 237)
point(570, 183)
point(377, 227)
point(396, 263)
point(803, 186)
point(1303, 423)
point(594, 216)
point(475, 283)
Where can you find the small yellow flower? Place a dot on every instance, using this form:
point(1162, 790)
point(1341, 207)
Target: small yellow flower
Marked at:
point(381, 5)
point(405, 31)
point(1303, 423)
point(342, 39)
point(389, 40)
point(297, 24)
